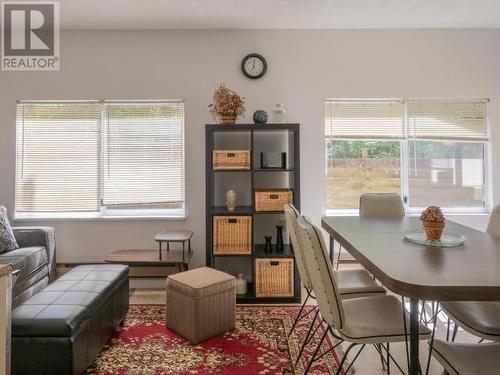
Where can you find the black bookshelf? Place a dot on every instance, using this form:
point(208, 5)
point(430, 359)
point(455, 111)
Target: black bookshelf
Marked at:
point(252, 137)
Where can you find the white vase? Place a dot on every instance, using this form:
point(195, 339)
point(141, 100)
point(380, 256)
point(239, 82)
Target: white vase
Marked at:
point(241, 284)
point(230, 200)
point(279, 114)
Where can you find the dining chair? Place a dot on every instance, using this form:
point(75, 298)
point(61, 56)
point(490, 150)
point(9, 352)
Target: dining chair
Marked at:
point(352, 283)
point(376, 320)
point(481, 319)
point(378, 206)
point(468, 359)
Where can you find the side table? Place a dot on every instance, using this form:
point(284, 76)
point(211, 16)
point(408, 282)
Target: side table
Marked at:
point(175, 236)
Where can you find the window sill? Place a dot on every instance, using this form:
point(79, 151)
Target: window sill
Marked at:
point(98, 217)
point(415, 212)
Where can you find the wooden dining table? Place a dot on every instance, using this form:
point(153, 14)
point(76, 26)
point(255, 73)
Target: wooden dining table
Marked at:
point(470, 272)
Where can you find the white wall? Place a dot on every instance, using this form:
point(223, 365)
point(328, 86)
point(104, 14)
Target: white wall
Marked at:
point(304, 68)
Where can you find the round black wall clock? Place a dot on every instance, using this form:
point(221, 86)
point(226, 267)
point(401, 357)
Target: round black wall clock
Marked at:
point(254, 66)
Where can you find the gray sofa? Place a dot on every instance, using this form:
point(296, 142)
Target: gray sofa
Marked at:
point(35, 261)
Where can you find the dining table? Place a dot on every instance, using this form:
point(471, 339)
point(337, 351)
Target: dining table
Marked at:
point(421, 272)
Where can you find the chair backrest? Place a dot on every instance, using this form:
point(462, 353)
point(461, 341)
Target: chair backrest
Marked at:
point(494, 223)
point(291, 215)
point(321, 273)
point(381, 205)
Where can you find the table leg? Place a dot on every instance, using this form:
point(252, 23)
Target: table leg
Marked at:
point(414, 331)
point(332, 250)
point(159, 252)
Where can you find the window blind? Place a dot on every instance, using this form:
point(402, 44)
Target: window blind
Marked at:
point(364, 119)
point(58, 158)
point(143, 154)
point(450, 120)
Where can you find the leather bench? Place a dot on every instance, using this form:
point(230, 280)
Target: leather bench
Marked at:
point(63, 328)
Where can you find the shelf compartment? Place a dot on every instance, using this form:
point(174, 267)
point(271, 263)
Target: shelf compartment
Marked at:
point(274, 277)
point(232, 235)
point(231, 159)
point(238, 210)
point(260, 252)
point(272, 199)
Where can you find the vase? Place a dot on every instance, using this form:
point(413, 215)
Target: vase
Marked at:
point(226, 119)
point(433, 229)
point(279, 239)
point(269, 246)
point(260, 117)
point(230, 200)
point(241, 284)
point(279, 114)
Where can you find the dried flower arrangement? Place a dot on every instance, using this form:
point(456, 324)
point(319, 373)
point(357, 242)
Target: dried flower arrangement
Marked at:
point(433, 222)
point(227, 106)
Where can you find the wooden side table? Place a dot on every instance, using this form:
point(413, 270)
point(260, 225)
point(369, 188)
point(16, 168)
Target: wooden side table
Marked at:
point(175, 236)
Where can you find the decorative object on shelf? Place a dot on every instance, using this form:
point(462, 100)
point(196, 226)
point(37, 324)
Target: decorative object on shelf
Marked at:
point(279, 114)
point(254, 66)
point(241, 284)
point(272, 199)
point(433, 222)
point(231, 200)
point(260, 116)
point(279, 239)
point(447, 240)
point(268, 248)
point(273, 160)
point(231, 159)
point(227, 106)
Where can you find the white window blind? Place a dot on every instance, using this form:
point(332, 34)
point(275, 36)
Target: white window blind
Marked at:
point(143, 154)
point(364, 119)
point(449, 120)
point(58, 158)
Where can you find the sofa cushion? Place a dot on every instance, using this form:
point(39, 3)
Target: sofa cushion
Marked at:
point(26, 259)
point(7, 240)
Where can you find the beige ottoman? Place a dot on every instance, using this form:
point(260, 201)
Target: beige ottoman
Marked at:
point(200, 303)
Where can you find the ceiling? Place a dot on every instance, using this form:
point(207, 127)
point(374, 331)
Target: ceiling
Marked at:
point(278, 14)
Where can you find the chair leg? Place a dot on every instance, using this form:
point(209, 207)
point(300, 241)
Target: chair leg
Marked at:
point(299, 314)
point(388, 361)
point(406, 333)
point(344, 357)
point(354, 359)
point(307, 338)
point(448, 329)
point(338, 258)
point(431, 343)
point(455, 331)
point(316, 352)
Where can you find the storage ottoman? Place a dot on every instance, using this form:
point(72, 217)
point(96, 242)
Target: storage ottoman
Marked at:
point(200, 303)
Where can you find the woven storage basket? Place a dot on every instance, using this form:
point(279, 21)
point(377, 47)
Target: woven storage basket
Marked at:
point(231, 159)
point(274, 277)
point(272, 199)
point(232, 235)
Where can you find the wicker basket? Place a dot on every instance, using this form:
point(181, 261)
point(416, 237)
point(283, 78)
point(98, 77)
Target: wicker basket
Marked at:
point(274, 277)
point(231, 159)
point(232, 235)
point(272, 199)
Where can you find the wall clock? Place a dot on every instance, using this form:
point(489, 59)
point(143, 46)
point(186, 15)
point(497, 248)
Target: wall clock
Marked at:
point(254, 66)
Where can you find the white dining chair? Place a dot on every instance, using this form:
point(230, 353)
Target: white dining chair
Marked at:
point(481, 319)
point(352, 283)
point(467, 359)
point(378, 206)
point(374, 320)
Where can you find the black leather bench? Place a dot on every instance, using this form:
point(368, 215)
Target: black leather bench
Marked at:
point(62, 329)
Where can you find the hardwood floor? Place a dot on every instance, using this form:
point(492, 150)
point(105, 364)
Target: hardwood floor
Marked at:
point(368, 362)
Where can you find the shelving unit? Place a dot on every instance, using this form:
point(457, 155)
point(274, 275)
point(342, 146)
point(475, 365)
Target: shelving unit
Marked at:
point(256, 138)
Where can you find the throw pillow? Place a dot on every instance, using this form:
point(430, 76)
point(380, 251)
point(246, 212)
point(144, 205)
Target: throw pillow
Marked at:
point(7, 240)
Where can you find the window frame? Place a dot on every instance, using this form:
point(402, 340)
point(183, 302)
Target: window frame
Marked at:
point(405, 165)
point(106, 213)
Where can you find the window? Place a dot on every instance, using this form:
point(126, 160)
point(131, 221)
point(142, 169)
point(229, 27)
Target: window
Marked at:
point(429, 151)
point(96, 158)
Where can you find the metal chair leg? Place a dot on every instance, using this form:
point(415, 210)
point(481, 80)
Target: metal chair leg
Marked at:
point(298, 317)
point(307, 338)
point(338, 258)
point(455, 331)
point(431, 343)
point(344, 357)
point(316, 351)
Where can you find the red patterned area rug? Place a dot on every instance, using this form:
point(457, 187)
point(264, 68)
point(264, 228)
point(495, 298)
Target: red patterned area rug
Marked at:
point(258, 345)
